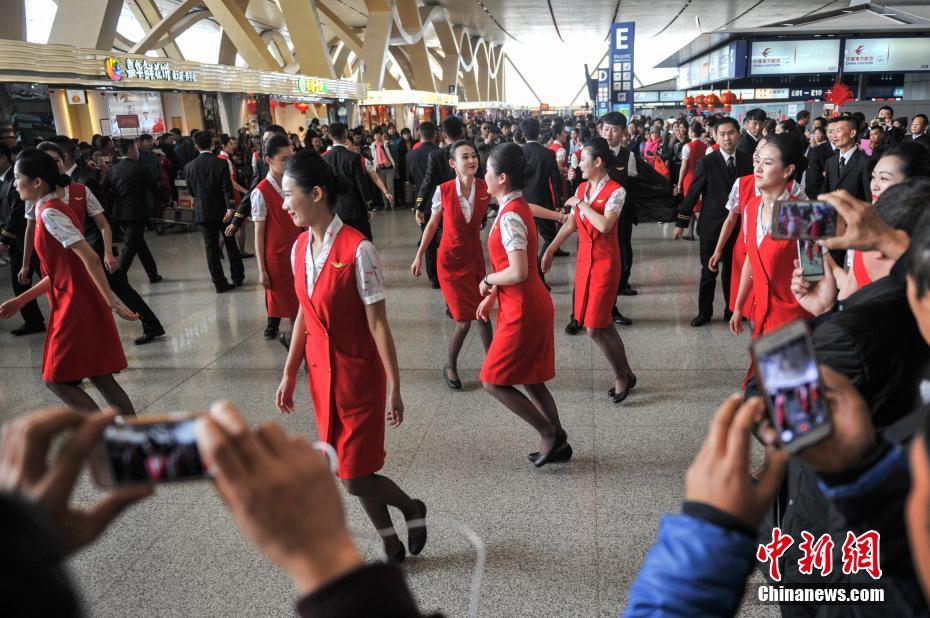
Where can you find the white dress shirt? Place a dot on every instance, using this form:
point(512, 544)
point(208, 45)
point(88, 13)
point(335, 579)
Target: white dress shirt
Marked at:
point(93, 206)
point(614, 202)
point(368, 276)
point(631, 169)
point(467, 203)
point(513, 229)
point(58, 224)
point(257, 198)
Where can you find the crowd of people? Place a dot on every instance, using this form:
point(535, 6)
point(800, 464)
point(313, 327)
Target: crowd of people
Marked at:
point(311, 199)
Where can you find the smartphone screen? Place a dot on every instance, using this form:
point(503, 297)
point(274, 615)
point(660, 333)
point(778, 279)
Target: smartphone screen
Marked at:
point(795, 220)
point(150, 450)
point(793, 388)
point(810, 256)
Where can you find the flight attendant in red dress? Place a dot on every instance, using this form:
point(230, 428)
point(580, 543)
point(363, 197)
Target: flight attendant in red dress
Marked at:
point(82, 340)
point(342, 332)
point(691, 153)
point(596, 208)
point(460, 205)
point(523, 350)
point(769, 263)
point(275, 235)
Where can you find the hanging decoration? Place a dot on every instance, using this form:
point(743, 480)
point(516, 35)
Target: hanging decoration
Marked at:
point(711, 100)
point(839, 94)
point(728, 98)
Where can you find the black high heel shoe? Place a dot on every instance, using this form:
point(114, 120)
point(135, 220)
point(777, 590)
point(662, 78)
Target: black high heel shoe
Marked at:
point(559, 448)
point(630, 384)
point(560, 456)
point(416, 535)
point(397, 555)
point(455, 385)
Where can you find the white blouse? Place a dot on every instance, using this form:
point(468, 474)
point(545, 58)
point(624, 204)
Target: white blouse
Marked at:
point(257, 198)
point(368, 277)
point(795, 189)
point(763, 228)
point(513, 229)
point(614, 202)
point(93, 206)
point(58, 224)
point(467, 203)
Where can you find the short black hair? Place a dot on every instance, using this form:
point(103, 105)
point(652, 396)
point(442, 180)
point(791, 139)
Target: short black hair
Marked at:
point(377, 131)
point(923, 116)
point(66, 144)
point(338, 130)
point(145, 137)
point(530, 129)
point(427, 131)
point(614, 118)
point(275, 128)
point(275, 143)
point(851, 122)
point(756, 113)
point(508, 158)
point(801, 115)
point(124, 145)
point(726, 120)
point(453, 128)
point(888, 107)
point(203, 140)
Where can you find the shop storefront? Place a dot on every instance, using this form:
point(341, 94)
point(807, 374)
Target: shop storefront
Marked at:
point(406, 108)
point(491, 110)
point(86, 92)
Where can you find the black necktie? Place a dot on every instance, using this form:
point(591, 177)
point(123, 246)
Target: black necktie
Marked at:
point(842, 163)
point(731, 166)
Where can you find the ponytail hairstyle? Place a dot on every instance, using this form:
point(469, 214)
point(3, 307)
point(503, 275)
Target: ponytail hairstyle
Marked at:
point(309, 170)
point(509, 159)
point(275, 143)
point(33, 163)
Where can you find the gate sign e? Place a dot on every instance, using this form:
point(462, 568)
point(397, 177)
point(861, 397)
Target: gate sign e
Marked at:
point(621, 67)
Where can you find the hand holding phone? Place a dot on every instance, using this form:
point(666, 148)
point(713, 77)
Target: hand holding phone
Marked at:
point(793, 387)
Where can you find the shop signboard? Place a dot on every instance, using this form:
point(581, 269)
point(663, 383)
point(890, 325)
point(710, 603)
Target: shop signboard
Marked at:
point(787, 57)
point(119, 69)
point(76, 97)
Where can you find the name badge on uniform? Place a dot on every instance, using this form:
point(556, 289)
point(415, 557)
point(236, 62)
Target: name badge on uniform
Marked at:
point(338, 264)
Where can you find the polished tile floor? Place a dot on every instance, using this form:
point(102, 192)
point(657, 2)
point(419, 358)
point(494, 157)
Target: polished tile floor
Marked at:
point(566, 540)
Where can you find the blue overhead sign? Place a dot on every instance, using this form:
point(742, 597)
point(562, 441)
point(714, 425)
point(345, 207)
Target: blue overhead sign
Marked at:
point(602, 104)
point(621, 67)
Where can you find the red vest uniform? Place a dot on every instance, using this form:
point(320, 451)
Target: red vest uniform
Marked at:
point(696, 151)
point(347, 380)
point(523, 349)
point(598, 264)
point(232, 175)
point(858, 266)
point(460, 259)
point(77, 201)
point(772, 267)
point(82, 340)
point(555, 147)
point(280, 236)
point(747, 190)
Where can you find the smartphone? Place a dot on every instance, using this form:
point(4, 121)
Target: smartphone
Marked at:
point(810, 256)
point(790, 378)
point(146, 450)
point(796, 220)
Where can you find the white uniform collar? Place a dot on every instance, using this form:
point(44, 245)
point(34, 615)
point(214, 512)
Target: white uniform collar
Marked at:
point(274, 183)
point(509, 198)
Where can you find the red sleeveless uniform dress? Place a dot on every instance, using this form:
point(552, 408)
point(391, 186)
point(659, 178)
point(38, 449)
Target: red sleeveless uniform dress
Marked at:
point(747, 189)
point(280, 236)
point(523, 349)
point(82, 340)
point(347, 379)
point(772, 266)
point(460, 259)
point(696, 151)
point(598, 265)
point(858, 266)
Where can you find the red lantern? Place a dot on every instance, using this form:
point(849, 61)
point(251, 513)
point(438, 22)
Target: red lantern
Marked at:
point(302, 107)
point(839, 94)
point(728, 98)
point(251, 106)
point(689, 101)
point(283, 104)
point(711, 100)
point(699, 100)
point(273, 104)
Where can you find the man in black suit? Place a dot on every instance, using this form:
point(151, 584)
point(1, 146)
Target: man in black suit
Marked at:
point(417, 161)
point(816, 163)
point(211, 187)
point(354, 207)
point(849, 168)
point(12, 233)
point(752, 131)
point(713, 180)
point(118, 280)
point(130, 188)
point(544, 187)
point(919, 131)
point(438, 169)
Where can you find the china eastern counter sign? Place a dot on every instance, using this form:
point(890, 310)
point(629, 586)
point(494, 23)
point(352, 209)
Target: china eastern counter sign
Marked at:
point(130, 68)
